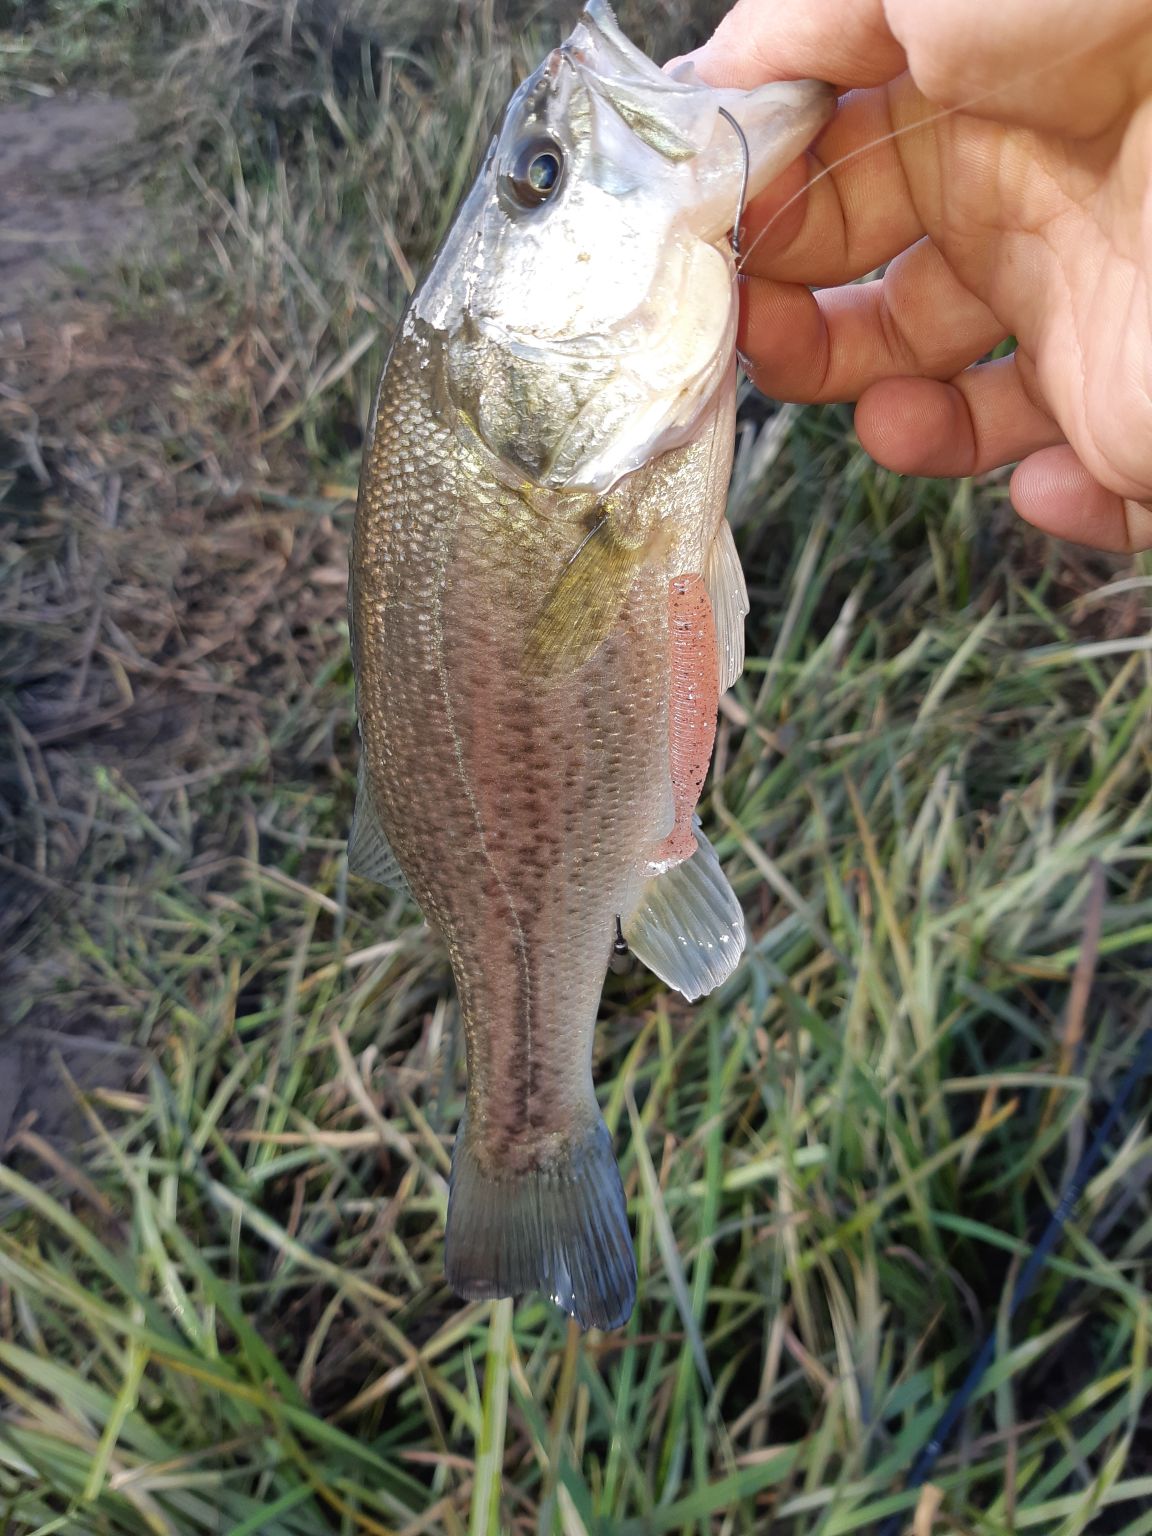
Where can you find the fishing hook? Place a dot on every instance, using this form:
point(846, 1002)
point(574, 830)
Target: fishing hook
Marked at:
point(621, 958)
point(744, 150)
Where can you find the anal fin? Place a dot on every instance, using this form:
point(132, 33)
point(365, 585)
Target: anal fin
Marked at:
point(724, 579)
point(369, 853)
point(688, 926)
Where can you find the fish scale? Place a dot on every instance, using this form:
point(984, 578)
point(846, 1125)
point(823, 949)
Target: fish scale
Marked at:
point(536, 499)
point(519, 814)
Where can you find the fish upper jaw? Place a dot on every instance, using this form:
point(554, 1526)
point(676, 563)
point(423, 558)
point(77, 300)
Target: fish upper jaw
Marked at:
point(679, 116)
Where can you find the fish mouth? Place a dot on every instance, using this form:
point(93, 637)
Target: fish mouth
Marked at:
point(673, 117)
point(683, 119)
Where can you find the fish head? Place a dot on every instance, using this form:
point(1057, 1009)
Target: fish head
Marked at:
point(584, 296)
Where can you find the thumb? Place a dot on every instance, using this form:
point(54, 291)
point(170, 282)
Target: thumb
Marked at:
point(845, 41)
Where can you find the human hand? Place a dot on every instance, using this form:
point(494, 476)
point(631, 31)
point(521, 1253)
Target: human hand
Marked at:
point(1024, 210)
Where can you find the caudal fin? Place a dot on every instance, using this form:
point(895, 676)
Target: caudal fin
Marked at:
point(561, 1229)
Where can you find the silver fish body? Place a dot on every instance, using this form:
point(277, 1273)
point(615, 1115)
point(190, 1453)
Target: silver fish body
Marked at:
point(545, 602)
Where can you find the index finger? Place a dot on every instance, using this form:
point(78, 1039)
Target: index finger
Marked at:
point(1073, 69)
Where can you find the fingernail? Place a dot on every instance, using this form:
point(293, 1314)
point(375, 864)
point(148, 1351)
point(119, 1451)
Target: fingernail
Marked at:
point(682, 68)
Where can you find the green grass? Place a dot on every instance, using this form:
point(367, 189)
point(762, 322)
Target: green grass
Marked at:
point(225, 1311)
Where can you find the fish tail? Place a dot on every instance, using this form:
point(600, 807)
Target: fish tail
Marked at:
point(560, 1228)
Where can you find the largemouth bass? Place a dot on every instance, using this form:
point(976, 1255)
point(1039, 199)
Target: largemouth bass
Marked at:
point(545, 605)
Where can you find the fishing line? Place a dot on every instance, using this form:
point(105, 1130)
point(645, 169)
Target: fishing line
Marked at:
point(854, 154)
point(1029, 1275)
point(742, 199)
point(898, 133)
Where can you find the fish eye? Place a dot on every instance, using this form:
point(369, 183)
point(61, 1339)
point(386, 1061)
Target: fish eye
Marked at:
point(536, 172)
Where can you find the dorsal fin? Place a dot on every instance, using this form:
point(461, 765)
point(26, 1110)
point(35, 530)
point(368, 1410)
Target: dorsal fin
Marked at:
point(369, 853)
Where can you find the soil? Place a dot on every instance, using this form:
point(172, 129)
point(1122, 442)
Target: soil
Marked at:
point(61, 217)
point(63, 221)
point(43, 1066)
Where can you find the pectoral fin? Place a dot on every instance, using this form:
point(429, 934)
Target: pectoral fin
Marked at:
point(688, 926)
point(725, 581)
point(586, 600)
point(369, 853)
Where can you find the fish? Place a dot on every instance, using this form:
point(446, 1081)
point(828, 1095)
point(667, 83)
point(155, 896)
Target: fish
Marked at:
point(545, 605)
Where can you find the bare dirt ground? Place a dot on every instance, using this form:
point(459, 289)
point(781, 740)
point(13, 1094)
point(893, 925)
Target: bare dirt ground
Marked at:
point(60, 218)
point(63, 220)
point(158, 620)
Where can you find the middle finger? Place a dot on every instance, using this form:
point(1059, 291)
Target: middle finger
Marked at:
point(919, 319)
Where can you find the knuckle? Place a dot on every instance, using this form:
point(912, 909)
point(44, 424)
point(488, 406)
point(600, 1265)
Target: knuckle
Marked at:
point(941, 73)
point(940, 51)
